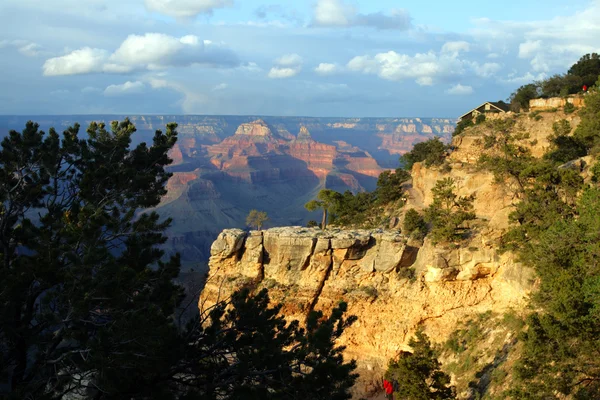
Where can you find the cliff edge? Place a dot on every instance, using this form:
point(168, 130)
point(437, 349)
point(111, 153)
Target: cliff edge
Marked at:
point(391, 286)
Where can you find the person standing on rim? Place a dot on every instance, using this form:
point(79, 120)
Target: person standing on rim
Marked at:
point(389, 389)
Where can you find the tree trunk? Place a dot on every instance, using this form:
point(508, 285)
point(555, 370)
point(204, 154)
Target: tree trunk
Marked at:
point(324, 222)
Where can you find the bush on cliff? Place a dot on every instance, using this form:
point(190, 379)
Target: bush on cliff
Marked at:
point(389, 186)
point(418, 375)
point(561, 355)
point(88, 307)
point(448, 212)
point(414, 224)
point(556, 231)
point(519, 100)
point(431, 153)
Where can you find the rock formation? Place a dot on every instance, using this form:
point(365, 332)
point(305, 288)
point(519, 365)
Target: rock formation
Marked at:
point(394, 284)
point(307, 269)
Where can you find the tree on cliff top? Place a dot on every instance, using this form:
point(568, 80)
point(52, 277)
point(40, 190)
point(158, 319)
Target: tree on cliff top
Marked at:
point(256, 218)
point(417, 375)
point(588, 68)
point(327, 199)
point(87, 304)
point(448, 212)
point(431, 152)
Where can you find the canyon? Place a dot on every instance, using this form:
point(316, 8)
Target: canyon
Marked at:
point(224, 166)
point(393, 283)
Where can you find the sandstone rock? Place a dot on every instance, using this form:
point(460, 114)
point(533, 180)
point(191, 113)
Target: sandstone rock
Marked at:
point(228, 243)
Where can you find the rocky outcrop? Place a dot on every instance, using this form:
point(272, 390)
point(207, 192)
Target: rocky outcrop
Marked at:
point(555, 102)
point(391, 286)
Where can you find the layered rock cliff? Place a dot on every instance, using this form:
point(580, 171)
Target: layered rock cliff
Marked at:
point(391, 286)
point(392, 283)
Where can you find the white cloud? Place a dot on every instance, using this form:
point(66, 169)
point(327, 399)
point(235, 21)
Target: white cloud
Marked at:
point(186, 8)
point(287, 66)
point(333, 13)
point(24, 47)
point(250, 67)
point(456, 47)
point(327, 69)
point(152, 51)
point(289, 60)
point(336, 13)
point(486, 70)
point(423, 67)
point(220, 86)
point(125, 88)
point(83, 61)
point(460, 90)
point(90, 89)
point(529, 48)
point(550, 46)
point(283, 72)
point(514, 78)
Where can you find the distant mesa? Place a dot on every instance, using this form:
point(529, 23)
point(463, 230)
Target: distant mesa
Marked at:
point(255, 128)
point(304, 136)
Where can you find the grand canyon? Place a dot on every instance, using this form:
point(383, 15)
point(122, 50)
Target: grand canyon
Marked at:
point(225, 166)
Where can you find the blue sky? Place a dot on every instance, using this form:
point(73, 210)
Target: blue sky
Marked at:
point(299, 57)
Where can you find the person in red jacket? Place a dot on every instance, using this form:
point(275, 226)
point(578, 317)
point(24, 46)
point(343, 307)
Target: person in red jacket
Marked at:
point(389, 389)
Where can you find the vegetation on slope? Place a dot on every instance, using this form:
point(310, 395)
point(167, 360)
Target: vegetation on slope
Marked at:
point(584, 72)
point(88, 307)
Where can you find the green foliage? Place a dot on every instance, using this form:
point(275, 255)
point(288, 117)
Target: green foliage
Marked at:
point(569, 108)
point(588, 131)
point(84, 291)
point(462, 125)
point(480, 119)
point(448, 212)
point(414, 224)
point(256, 218)
point(468, 337)
point(561, 347)
point(431, 153)
point(312, 224)
point(561, 85)
point(355, 210)
point(364, 208)
point(587, 68)
point(327, 200)
point(564, 146)
point(248, 351)
point(389, 186)
point(519, 100)
point(408, 273)
point(509, 158)
point(418, 375)
point(535, 115)
point(596, 171)
point(88, 304)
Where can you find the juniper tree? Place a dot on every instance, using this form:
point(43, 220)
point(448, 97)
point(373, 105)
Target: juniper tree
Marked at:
point(87, 299)
point(326, 200)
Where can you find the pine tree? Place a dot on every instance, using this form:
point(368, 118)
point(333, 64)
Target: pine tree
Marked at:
point(417, 375)
point(87, 301)
point(326, 200)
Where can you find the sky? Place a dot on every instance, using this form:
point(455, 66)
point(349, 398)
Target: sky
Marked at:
point(338, 58)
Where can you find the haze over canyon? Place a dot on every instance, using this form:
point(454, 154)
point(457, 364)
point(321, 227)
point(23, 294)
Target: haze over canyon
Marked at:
point(225, 166)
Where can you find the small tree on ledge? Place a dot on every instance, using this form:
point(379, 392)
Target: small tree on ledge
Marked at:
point(326, 200)
point(256, 218)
